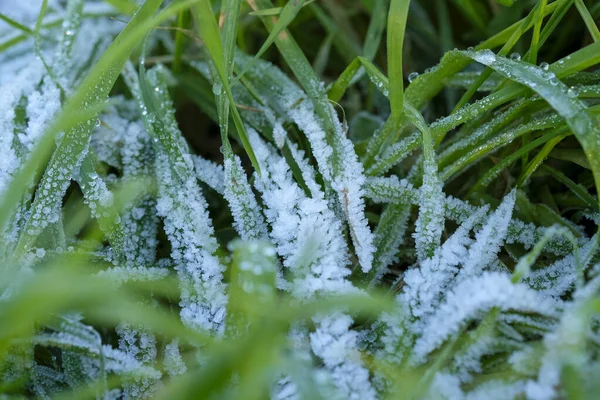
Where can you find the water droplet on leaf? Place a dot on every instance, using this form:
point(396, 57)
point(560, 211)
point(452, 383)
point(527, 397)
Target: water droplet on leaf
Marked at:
point(412, 76)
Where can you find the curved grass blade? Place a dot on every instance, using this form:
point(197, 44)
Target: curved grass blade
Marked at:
point(582, 122)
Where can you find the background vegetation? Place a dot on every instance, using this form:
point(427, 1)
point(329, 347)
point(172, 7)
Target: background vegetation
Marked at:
point(355, 199)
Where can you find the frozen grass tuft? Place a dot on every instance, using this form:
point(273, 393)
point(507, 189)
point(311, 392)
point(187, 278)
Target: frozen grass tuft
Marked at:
point(268, 202)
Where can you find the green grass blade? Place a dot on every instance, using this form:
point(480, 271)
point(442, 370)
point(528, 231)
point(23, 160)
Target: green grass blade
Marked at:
point(588, 19)
point(576, 188)
point(376, 28)
point(126, 7)
point(535, 38)
point(396, 26)
point(16, 25)
point(209, 32)
point(287, 15)
point(538, 160)
point(179, 42)
point(523, 27)
point(495, 171)
point(577, 115)
point(430, 224)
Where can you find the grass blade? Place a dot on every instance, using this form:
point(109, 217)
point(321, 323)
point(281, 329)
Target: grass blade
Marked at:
point(397, 17)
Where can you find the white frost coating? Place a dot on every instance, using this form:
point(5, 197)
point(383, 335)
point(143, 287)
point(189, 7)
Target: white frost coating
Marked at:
point(249, 221)
point(96, 195)
point(346, 176)
point(22, 82)
point(308, 172)
point(120, 275)
point(308, 238)
point(174, 364)
point(336, 345)
point(565, 346)
point(188, 226)
point(392, 190)
point(558, 278)
point(9, 161)
point(445, 386)
point(305, 231)
point(470, 299)
point(425, 286)
point(489, 239)
point(140, 344)
point(429, 225)
point(347, 181)
point(486, 57)
point(210, 173)
point(497, 390)
point(42, 105)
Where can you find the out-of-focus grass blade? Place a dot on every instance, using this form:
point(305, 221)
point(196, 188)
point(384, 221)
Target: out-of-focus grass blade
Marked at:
point(475, 12)
point(539, 159)
point(179, 42)
point(588, 19)
point(375, 30)
point(535, 37)
point(230, 12)
point(495, 171)
point(209, 32)
point(126, 7)
point(273, 11)
point(286, 16)
point(576, 188)
point(573, 155)
point(523, 27)
point(343, 41)
point(62, 283)
point(15, 24)
point(396, 25)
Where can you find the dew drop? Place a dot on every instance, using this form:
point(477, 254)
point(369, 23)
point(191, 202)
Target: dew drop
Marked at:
point(470, 48)
point(97, 122)
point(515, 56)
point(217, 87)
point(554, 81)
point(572, 92)
point(69, 33)
point(544, 66)
point(412, 76)
point(156, 89)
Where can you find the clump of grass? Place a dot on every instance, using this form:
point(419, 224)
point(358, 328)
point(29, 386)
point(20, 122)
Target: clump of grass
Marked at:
point(200, 199)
